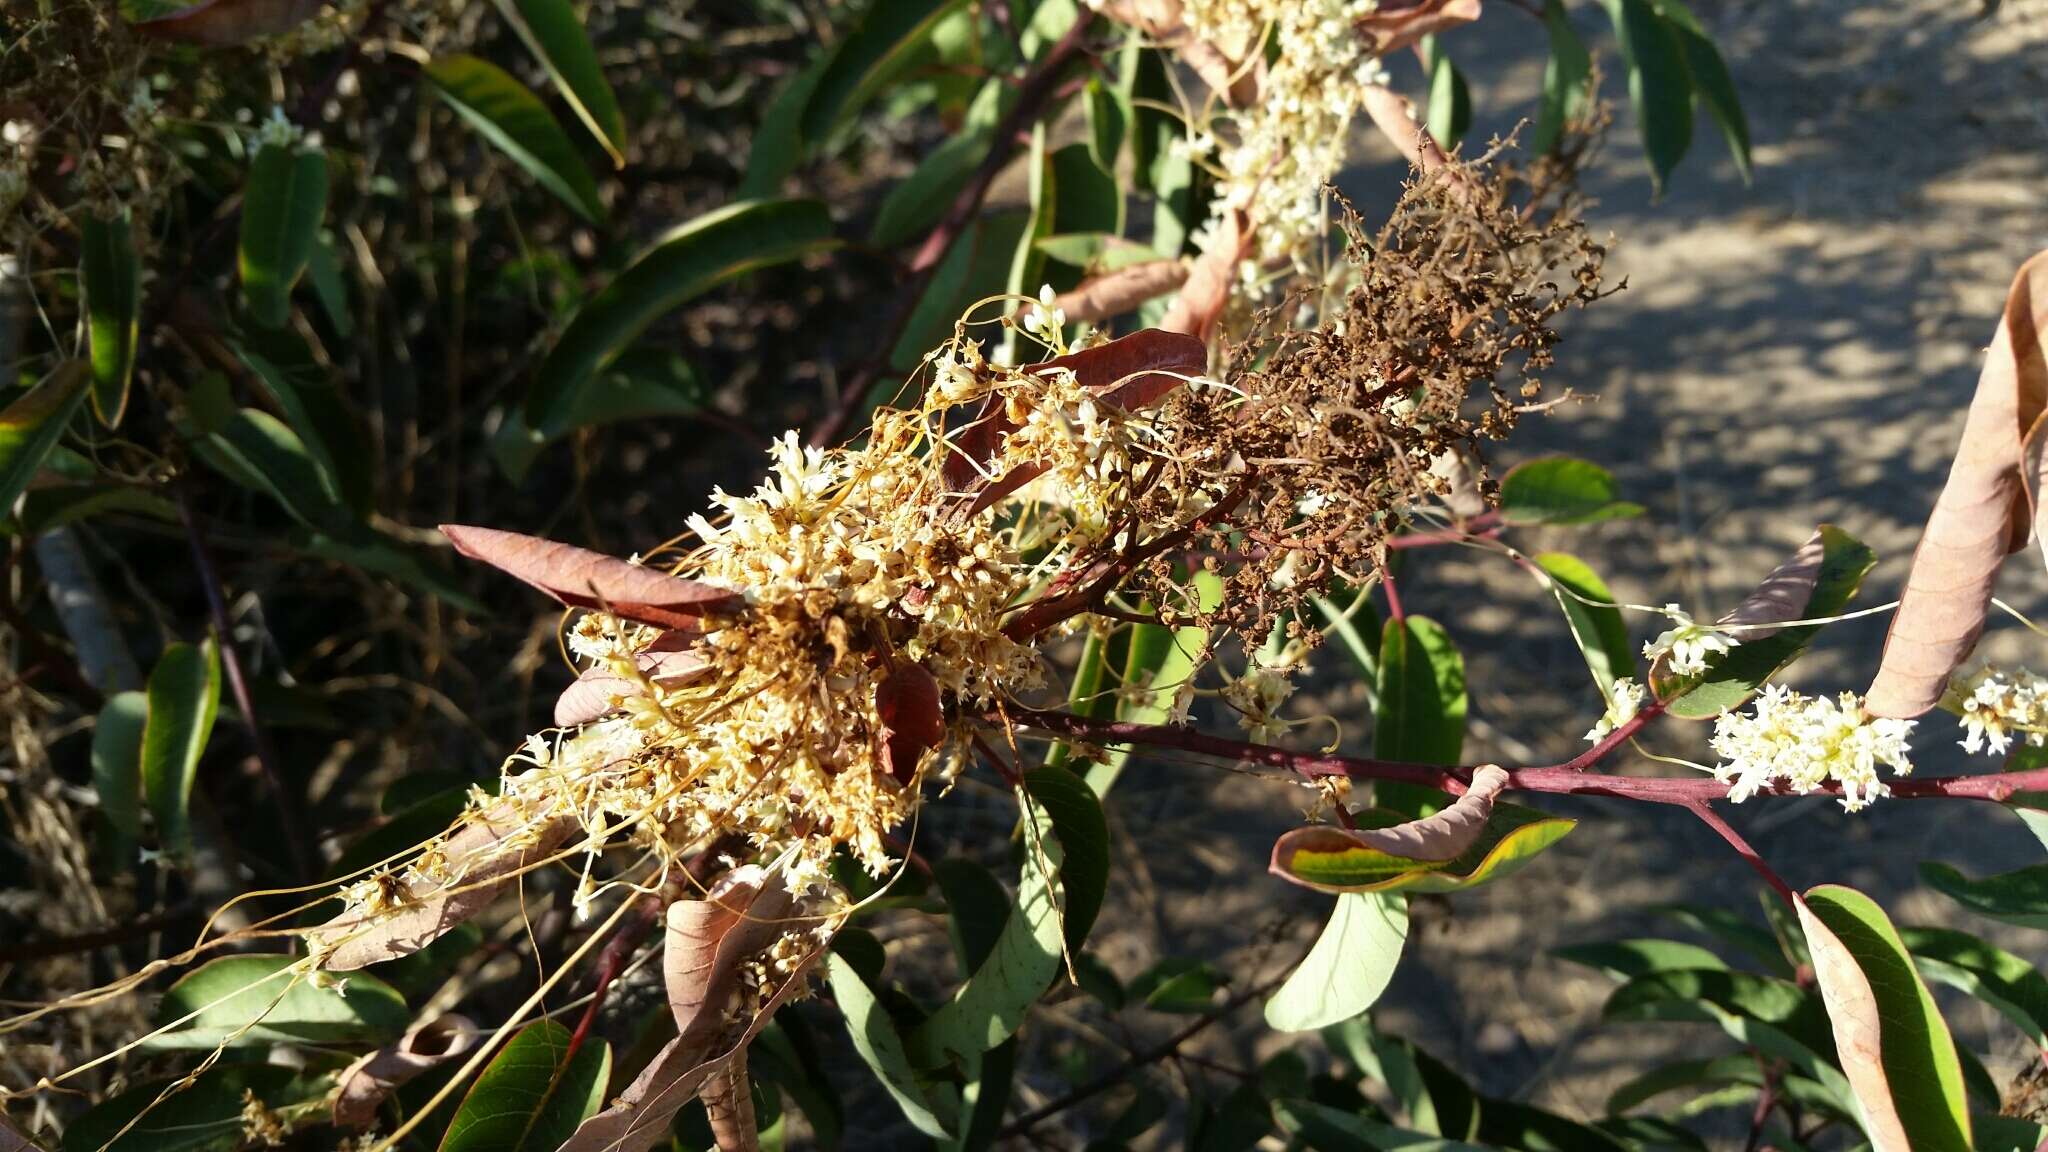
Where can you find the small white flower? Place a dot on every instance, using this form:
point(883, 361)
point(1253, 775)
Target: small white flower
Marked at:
point(1045, 320)
point(1625, 699)
point(1993, 705)
point(1803, 742)
point(1689, 644)
point(278, 131)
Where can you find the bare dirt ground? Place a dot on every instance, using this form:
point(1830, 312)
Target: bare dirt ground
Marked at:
point(1794, 351)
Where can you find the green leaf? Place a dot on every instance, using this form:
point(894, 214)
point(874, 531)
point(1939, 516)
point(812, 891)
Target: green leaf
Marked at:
point(374, 551)
point(184, 698)
point(1561, 490)
point(282, 204)
point(405, 831)
point(1883, 1014)
point(644, 383)
point(1326, 1129)
point(1348, 968)
point(1659, 86)
point(2007, 1134)
point(299, 415)
point(508, 114)
point(1157, 662)
point(932, 1111)
point(1627, 959)
point(1076, 819)
point(1450, 101)
point(916, 202)
point(786, 1054)
point(975, 267)
point(113, 306)
point(529, 1098)
point(984, 1098)
point(1513, 836)
point(1990, 973)
point(203, 1116)
point(2016, 897)
point(31, 426)
point(1598, 631)
point(1421, 708)
point(1734, 677)
point(323, 272)
point(1108, 118)
point(1731, 928)
point(977, 907)
point(1089, 199)
point(1565, 76)
point(555, 35)
point(117, 768)
point(1357, 627)
point(690, 260)
point(1719, 1071)
point(1681, 994)
point(1085, 696)
point(268, 999)
point(1710, 79)
point(1509, 1124)
point(1178, 985)
point(48, 509)
point(890, 33)
point(778, 141)
point(259, 452)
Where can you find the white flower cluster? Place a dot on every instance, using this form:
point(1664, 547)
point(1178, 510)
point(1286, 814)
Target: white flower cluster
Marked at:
point(1287, 145)
point(1803, 742)
point(1993, 705)
point(1689, 644)
point(1624, 700)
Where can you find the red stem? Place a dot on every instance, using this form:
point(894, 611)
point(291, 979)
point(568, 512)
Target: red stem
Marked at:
point(1712, 819)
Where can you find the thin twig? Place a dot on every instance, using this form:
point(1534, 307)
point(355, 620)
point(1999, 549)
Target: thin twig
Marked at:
point(1742, 847)
point(100, 938)
point(238, 685)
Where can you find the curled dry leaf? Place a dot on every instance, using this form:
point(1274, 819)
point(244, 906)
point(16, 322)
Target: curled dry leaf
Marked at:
point(225, 23)
point(912, 722)
point(426, 909)
point(1131, 372)
point(1395, 24)
point(670, 660)
point(706, 943)
point(364, 1085)
point(1201, 300)
point(581, 578)
point(1783, 595)
point(1118, 292)
point(1444, 836)
point(1980, 516)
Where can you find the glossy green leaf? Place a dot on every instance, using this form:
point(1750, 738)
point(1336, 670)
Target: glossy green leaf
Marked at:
point(299, 415)
point(2016, 897)
point(1076, 820)
point(1351, 621)
point(113, 307)
point(1157, 664)
point(914, 204)
point(1711, 82)
point(1511, 839)
point(1597, 630)
point(1561, 490)
point(1565, 77)
point(975, 267)
point(508, 114)
point(1719, 1071)
point(1736, 676)
point(1450, 100)
point(1679, 994)
point(203, 1116)
point(529, 1098)
point(1627, 959)
point(282, 205)
point(1109, 118)
point(2000, 979)
point(644, 383)
point(259, 452)
point(984, 1098)
point(691, 259)
point(1349, 966)
point(117, 768)
point(2007, 1133)
point(410, 564)
point(184, 698)
point(1869, 983)
point(932, 1110)
point(889, 34)
point(1327, 1129)
point(977, 907)
point(32, 424)
point(1659, 85)
point(555, 34)
point(243, 1001)
point(1420, 716)
point(1089, 200)
point(778, 143)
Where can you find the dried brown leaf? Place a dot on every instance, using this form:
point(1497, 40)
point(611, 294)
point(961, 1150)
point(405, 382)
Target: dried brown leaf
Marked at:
point(592, 694)
point(1395, 24)
point(1446, 835)
point(225, 23)
point(581, 578)
point(1783, 595)
point(1118, 292)
point(428, 909)
point(1201, 300)
point(729, 1106)
point(1858, 1026)
point(364, 1085)
point(1980, 516)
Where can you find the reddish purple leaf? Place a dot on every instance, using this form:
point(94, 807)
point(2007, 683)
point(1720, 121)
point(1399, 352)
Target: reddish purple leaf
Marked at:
point(912, 720)
point(592, 694)
point(581, 578)
point(225, 23)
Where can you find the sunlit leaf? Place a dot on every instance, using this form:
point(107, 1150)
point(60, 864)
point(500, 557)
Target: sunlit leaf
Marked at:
point(117, 768)
point(1893, 1043)
point(271, 999)
point(113, 305)
point(889, 33)
point(1157, 663)
point(1627, 959)
point(1561, 490)
point(1565, 76)
point(1711, 82)
point(184, 698)
point(1348, 968)
point(2016, 897)
point(1598, 630)
point(692, 259)
point(1512, 838)
point(2006, 982)
point(31, 426)
point(1420, 715)
point(282, 204)
point(532, 1094)
point(1659, 85)
point(932, 1110)
point(556, 35)
point(508, 114)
